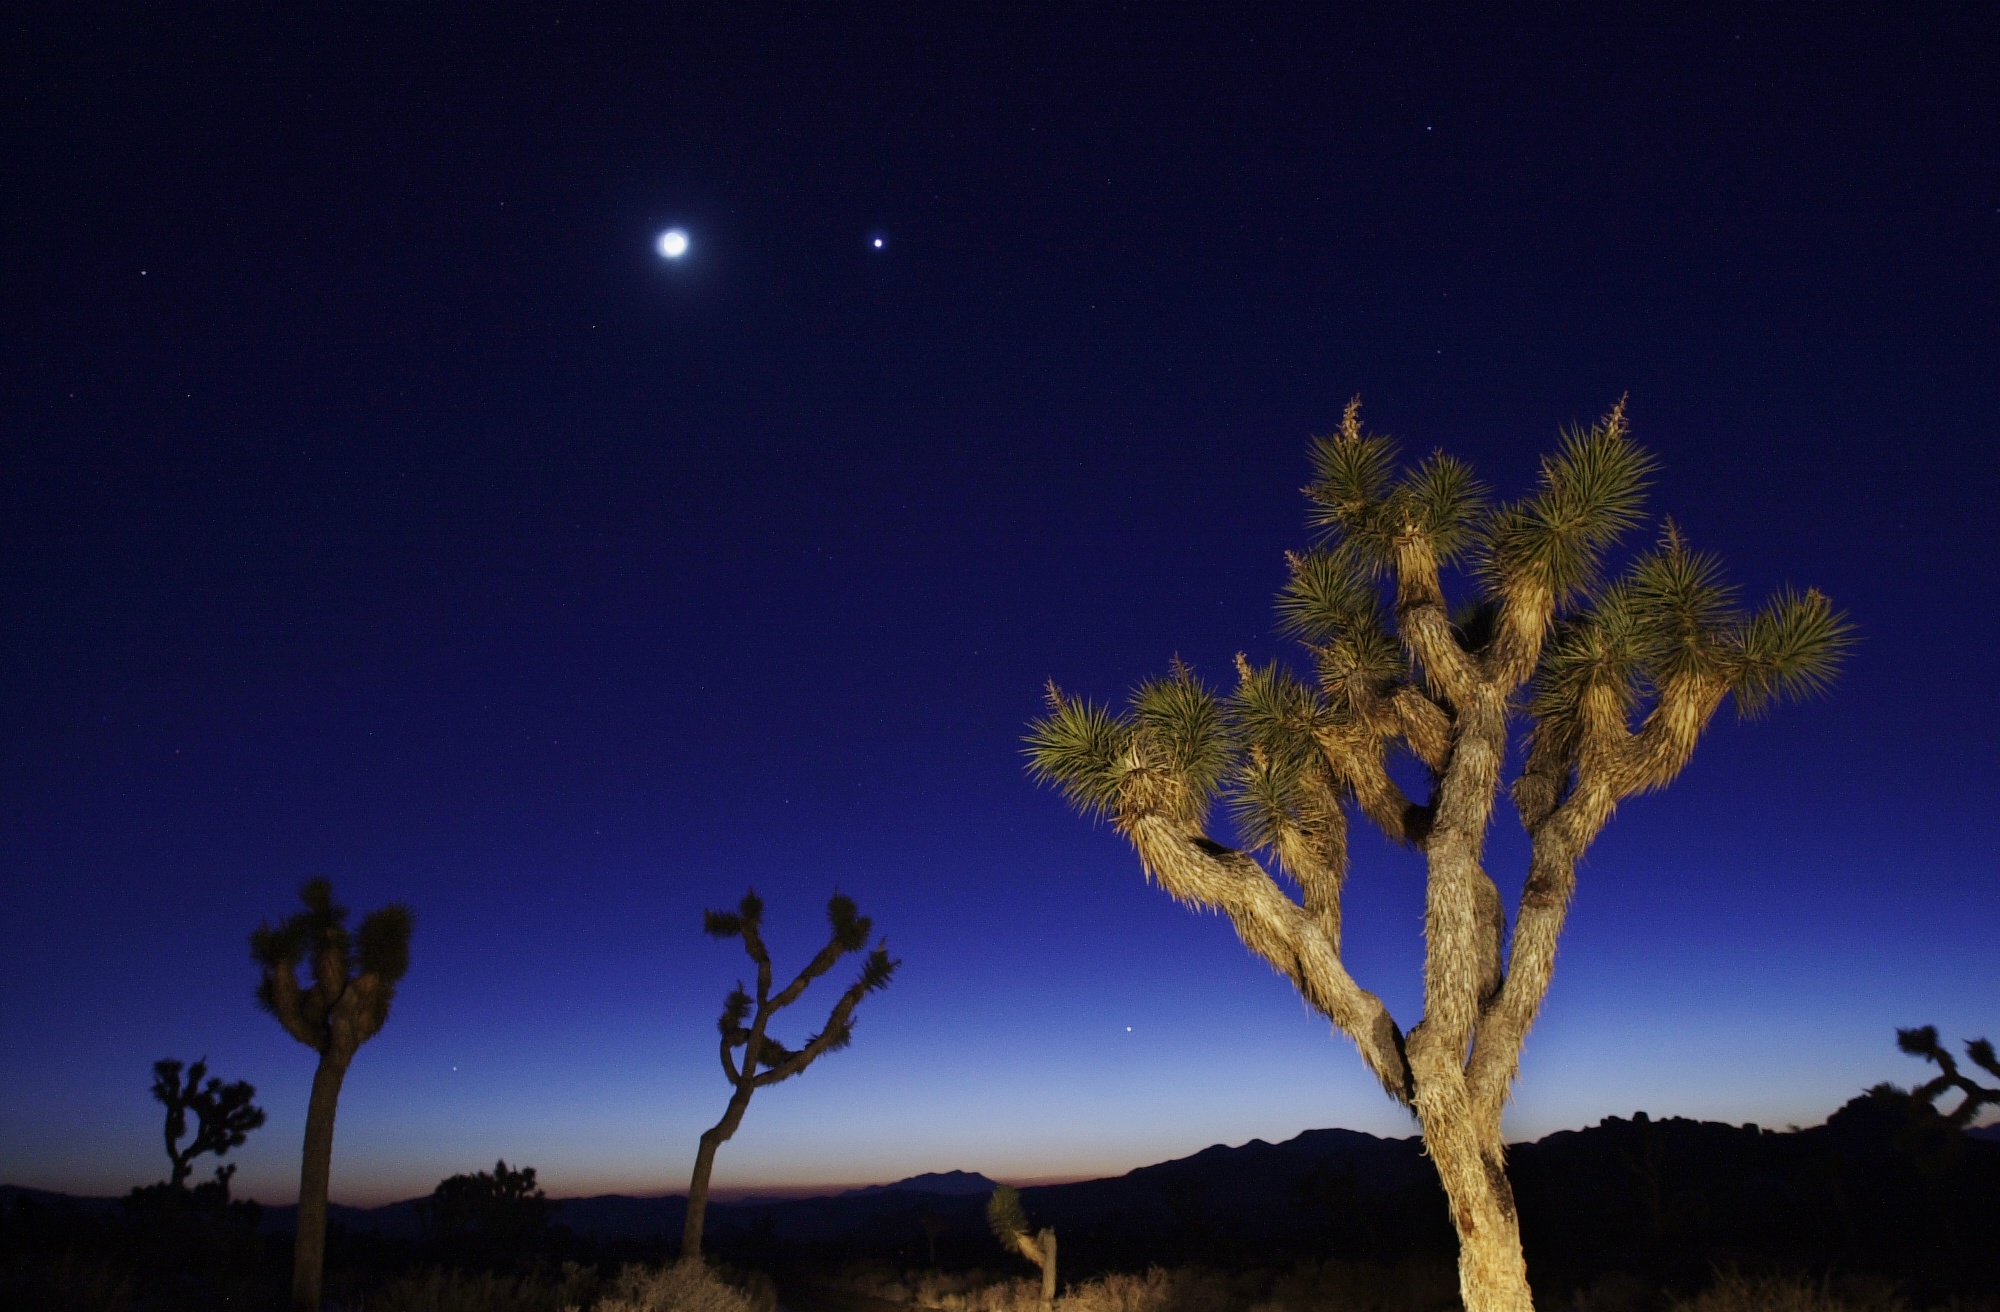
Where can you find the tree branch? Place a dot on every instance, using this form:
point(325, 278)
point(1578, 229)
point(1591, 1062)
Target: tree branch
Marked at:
point(1313, 851)
point(1423, 625)
point(1204, 873)
point(835, 1034)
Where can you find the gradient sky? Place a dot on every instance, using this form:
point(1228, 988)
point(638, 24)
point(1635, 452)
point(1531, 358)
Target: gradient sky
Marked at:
point(376, 503)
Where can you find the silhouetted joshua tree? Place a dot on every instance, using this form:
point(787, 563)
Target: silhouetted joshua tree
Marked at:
point(1612, 681)
point(1924, 1043)
point(223, 1117)
point(507, 1204)
point(744, 1019)
point(344, 1004)
point(1010, 1227)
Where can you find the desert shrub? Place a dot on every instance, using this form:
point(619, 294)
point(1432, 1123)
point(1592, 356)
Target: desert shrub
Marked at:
point(1735, 1292)
point(691, 1286)
point(1158, 1290)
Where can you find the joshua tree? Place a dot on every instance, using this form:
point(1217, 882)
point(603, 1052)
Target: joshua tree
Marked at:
point(1924, 1043)
point(1010, 1227)
point(744, 1019)
point(1610, 682)
point(223, 1117)
point(506, 1204)
point(353, 981)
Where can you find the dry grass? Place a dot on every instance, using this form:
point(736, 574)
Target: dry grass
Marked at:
point(687, 1287)
point(1313, 1287)
point(1736, 1292)
point(680, 1288)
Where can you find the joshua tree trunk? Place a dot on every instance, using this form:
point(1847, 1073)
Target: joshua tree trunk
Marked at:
point(1491, 1273)
point(1046, 1241)
point(346, 1003)
point(315, 1168)
point(704, 1165)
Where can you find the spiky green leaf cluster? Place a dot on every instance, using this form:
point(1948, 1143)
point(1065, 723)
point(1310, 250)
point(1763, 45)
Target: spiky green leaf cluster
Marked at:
point(1671, 614)
point(735, 1010)
point(1790, 650)
point(749, 914)
point(1444, 501)
point(321, 927)
point(1278, 715)
point(837, 1038)
point(1278, 719)
point(1183, 730)
point(1353, 471)
point(850, 929)
point(318, 936)
point(877, 970)
point(1593, 492)
point(1171, 749)
point(1330, 603)
point(1684, 609)
point(1674, 615)
point(1079, 747)
point(382, 948)
point(1359, 501)
point(1005, 1215)
point(770, 1052)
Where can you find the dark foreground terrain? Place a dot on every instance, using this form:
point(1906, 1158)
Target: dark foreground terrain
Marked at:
point(1885, 1189)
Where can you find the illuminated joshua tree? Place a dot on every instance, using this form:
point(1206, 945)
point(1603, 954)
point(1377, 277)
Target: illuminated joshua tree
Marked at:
point(1924, 1043)
point(766, 1061)
point(353, 979)
point(1604, 684)
point(1010, 1227)
point(223, 1117)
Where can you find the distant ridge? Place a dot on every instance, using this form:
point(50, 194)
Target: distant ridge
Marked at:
point(1315, 1184)
point(951, 1183)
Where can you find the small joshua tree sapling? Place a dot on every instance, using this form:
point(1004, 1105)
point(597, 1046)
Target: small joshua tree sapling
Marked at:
point(1924, 1043)
point(1010, 1227)
point(223, 1113)
point(765, 1060)
point(353, 981)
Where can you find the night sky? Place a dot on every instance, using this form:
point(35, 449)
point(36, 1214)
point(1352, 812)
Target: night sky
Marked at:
point(378, 503)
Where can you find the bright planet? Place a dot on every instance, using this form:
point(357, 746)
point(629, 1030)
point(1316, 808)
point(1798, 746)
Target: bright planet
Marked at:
point(673, 243)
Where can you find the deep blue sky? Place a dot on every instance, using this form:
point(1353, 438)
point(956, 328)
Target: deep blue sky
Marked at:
point(377, 503)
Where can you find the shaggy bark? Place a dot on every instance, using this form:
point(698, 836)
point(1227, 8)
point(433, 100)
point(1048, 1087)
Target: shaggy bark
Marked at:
point(1040, 1249)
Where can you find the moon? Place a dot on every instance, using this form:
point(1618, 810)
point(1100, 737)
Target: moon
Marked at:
point(673, 244)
